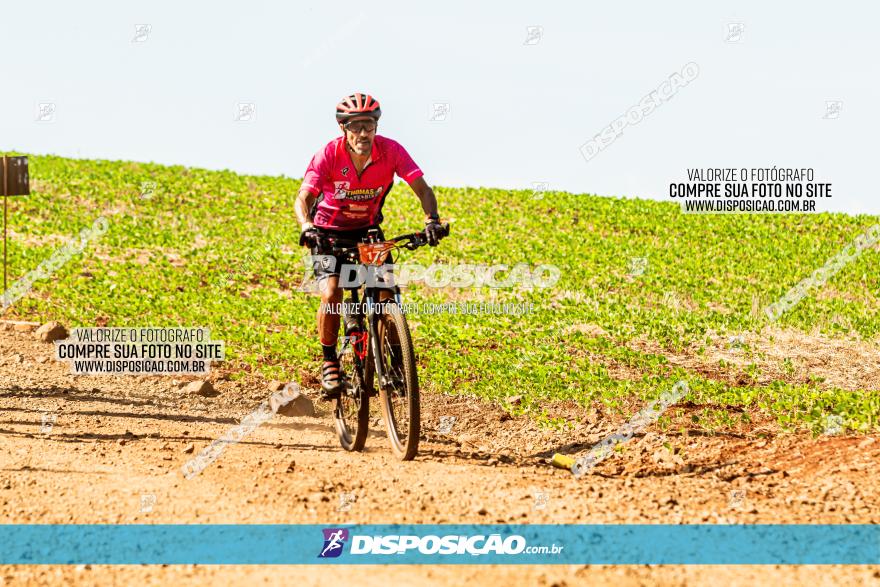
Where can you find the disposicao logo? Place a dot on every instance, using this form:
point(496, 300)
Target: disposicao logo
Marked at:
point(334, 540)
point(472, 545)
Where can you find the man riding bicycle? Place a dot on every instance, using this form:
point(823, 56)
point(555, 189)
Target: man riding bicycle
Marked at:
point(342, 194)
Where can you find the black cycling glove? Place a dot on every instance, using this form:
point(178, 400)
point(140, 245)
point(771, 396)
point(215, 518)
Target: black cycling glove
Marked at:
point(434, 232)
point(308, 237)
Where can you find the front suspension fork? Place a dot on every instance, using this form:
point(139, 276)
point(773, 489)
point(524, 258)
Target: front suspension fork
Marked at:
point(373, 318)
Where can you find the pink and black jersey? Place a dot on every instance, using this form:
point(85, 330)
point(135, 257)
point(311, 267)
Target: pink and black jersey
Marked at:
point(346, 200)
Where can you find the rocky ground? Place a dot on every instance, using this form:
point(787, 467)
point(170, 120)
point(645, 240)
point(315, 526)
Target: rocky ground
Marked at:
point(102, 449)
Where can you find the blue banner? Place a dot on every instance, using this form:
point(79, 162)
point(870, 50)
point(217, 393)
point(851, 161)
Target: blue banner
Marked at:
point(440, 544)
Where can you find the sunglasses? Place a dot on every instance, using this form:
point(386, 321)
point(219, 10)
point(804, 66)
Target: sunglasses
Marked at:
point(357, 127)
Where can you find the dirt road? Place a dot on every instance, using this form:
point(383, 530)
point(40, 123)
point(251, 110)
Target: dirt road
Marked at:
point(90, 449)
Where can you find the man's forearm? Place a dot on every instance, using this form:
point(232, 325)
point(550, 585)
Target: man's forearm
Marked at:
point(426, 196)
point(303, 206)
point(429, 202)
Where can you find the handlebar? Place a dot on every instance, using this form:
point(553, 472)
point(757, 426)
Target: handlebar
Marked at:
point(419, 239)
point(412, 240)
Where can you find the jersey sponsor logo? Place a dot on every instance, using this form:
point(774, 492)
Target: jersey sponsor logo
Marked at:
point(363, 194)
point(358, 195)
point(345, 171)
point(341, 189)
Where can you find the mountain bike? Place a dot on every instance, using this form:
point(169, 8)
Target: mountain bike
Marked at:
point(376, 356)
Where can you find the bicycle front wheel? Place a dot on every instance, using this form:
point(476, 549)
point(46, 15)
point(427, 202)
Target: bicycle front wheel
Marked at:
point(399, 384)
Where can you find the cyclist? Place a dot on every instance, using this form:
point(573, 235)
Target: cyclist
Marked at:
point(342, 194)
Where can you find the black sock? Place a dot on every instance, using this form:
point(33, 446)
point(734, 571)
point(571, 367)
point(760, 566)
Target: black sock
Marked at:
point(329, 352)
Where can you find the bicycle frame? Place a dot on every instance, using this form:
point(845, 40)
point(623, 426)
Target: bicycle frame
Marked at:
point(369, 321)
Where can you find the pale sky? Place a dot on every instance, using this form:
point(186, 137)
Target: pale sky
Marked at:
point(519, 105)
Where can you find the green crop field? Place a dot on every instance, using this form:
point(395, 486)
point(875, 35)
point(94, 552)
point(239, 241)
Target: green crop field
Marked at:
point(219, 250)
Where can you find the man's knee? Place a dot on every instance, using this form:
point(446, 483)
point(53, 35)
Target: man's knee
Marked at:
point(330, 291)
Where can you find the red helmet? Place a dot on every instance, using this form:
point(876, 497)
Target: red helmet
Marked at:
point(358, 104)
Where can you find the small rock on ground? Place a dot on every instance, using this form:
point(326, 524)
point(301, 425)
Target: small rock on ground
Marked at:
point(299, 406)
point(203, 388)
point(51, 331)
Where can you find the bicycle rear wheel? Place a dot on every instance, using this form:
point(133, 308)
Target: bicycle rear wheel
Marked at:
point(352, 412)
point(399, 389)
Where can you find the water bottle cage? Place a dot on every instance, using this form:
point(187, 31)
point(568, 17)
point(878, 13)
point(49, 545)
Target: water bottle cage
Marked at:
point(358, 341)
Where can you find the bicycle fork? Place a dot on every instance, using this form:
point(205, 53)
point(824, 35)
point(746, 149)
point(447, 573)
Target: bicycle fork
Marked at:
point(385, 382)
point(373, 320)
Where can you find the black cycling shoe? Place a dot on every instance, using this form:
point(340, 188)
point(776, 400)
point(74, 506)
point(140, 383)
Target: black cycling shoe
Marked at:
point(331, 380)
